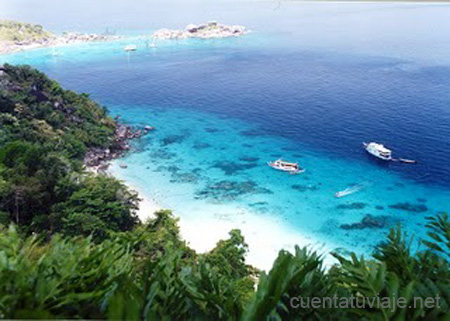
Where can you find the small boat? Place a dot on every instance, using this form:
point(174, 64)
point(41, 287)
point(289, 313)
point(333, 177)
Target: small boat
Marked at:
point(281, 165)
point(378, 150)
point(342, 194)
point(130, 48)
point(349, 190)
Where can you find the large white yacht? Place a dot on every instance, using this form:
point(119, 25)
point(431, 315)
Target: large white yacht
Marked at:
point(378, 150)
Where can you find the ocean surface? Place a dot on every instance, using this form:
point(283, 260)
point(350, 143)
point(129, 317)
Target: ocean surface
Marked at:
point(309, 84)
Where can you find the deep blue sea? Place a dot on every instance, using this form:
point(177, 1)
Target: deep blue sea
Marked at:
point(309, 84)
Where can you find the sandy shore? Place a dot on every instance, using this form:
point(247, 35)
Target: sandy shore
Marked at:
point(203, 225)
point(147, 206)
point(264, 236)
point(203, 228)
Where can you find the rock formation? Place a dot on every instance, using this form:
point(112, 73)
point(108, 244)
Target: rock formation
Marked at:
point(203, 31)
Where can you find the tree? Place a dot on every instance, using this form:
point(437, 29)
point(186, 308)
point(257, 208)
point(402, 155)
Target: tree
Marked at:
point(102, 205)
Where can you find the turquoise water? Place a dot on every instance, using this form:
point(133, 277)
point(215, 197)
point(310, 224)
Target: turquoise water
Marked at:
point(308, 90)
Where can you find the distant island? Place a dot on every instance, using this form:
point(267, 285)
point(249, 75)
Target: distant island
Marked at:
point(208, 30)
point(18, 36)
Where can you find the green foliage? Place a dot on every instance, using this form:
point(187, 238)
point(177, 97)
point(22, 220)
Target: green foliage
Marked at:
point(289, 274)
point(19, 31)
point(229, 256)
point(77, 249)
point(440, 233)
point(71, 277)
point(124, 277)
point(45, 133)
point(398, 274)
point(100, 205)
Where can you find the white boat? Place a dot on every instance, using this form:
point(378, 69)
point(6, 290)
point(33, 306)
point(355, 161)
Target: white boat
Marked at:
point(130, 48)
point(281, 165)
point(347, 191)
point(378, 150)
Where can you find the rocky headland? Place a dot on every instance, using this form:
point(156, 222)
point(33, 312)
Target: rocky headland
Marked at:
point(97, 159)
point(208, 30)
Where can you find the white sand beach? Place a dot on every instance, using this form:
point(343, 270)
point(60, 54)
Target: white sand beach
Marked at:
point(202, 225)
point(264, 236)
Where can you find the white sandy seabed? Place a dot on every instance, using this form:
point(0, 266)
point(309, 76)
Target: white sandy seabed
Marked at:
point(264, 236)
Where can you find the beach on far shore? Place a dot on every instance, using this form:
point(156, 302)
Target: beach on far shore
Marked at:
point(8, 47)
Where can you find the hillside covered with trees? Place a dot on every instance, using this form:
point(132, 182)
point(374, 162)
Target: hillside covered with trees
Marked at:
point(45, 132)
point(22, 32)
point(72, 247)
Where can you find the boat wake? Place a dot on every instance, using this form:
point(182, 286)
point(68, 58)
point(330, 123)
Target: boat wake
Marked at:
point(352, 189)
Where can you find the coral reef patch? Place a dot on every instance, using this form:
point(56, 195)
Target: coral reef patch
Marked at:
point(227, 190)
point(304, 188)
point(369, 221)
point(231, 168)
point(249, 159)
point(172, 139)
point(200, 146)
point(413, 208)
point(352, 206)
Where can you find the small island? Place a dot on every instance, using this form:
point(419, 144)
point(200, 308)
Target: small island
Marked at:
point(208, 30)
point(17, 36)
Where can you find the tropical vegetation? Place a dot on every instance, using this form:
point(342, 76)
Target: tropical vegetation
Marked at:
point(45, 132)
point(72, 247)
point(20, 31)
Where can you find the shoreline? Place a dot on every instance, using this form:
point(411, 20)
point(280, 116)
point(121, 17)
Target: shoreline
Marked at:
point(206, 224)
point(147, 205)
point(264, 235)
point(7, 48)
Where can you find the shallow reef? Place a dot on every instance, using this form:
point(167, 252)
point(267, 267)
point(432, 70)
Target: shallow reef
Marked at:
point(172, 139)
point(250, 133)
point(178, 177)
point(304, 188)
point(200, 146)
point(249, 159)
point(369, 221)
point(259, 207)
point(329, 226)
point(227, 190)
point(258, 204)
point(162, 154)
point(211, 130)
point(231, 168)
point(170, 168)
point(352, 206)
point(409, 207)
